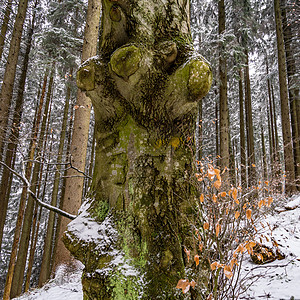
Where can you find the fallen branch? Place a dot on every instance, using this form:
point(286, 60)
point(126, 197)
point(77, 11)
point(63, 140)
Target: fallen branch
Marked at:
point(41, 203)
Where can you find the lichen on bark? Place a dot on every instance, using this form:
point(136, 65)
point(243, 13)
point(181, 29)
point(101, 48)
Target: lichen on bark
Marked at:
point(144, 87)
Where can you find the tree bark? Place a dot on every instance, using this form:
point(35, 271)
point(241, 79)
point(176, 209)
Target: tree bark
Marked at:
point(293, 89)
point(249, 127)
point(264, 158)
point(273, 149)
point(242, 133)
point(5, 187)
point(4, 25)
point(10, 69)
point(74, 185)
point(224, 112)
point(144, 87)
point(284, 101)
point(48, 245)
point(22, 205)
point(17, 282)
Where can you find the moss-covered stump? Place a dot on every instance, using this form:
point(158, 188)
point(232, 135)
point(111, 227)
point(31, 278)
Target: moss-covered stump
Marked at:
point(144, 87)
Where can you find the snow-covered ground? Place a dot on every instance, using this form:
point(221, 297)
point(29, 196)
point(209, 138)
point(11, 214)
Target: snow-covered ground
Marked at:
point(281, 278)
point(65, 286)
point(277, 280)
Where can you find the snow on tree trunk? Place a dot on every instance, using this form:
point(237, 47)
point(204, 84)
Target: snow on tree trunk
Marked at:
point(144, 87)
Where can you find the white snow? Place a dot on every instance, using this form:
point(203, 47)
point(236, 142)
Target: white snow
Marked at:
point(281, 278)
point(65, 286)
point(277, 280)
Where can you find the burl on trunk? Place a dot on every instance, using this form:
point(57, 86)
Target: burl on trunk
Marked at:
point(144, 88)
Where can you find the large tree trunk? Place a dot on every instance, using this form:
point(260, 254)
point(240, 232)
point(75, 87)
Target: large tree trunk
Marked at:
point(284, 101)
point(75, 181)
point(48, 245)
point(144, 88)
point(17, 282)
point(4, 25)
point(10, 69)
point(28, 169)
point(293, 89)
point(5, 185)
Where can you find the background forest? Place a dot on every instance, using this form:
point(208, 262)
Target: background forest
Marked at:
point(250, 118)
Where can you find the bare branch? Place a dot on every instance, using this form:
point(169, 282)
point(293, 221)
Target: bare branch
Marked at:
point(41, 203)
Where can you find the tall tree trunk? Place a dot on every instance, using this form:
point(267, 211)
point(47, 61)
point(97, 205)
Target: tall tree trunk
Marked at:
point(224, 113)
point(284, 101)
point(199, 133)
point(17, 282)
point(217, 129)
point(271, 147)
point(4, 25)
point(32, 147)
point(249, 127)
point(273, 150)
point(5, 187)
point(293, 90)
point(46, 261)
point(145, 105)
point(74, 185)
point(242, 133)
point(62, 195)
point(10, 69)
point(264, 158)
point(36, 228)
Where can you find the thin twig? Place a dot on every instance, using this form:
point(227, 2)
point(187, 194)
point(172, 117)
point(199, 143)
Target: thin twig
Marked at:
point(41, 203)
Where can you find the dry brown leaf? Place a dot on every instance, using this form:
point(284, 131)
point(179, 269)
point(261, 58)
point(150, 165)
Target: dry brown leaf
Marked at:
point(188, 253)
point(248, 213)
point(217, 184)
point(227, 272)
point(218, 228)
point(237, 214)
point(214, 197)
point(196, 259)
point(193, 284)
point(210, 297)
point(206, 226)
point(184, 285)
point(270, 201)
point(217, 172)
point(214, 265)
point(201, 198)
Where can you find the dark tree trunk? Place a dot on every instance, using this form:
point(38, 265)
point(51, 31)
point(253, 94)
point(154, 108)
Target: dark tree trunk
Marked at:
point(27, 221)
point(284, 101)
point(10, 69)
point(4, 25)
point(144, 89)
point(48, 246)
point(293, 89)
point(249, 127)
point(242, 133)
point(224, 113)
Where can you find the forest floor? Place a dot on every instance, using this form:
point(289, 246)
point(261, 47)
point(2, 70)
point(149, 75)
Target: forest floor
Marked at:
point(277, 280)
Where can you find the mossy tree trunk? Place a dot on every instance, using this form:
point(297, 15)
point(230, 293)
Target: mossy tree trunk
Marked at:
point(144, 87)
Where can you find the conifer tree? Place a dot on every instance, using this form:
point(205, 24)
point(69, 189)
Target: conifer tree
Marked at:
point(284, 103)
point(6, 91)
